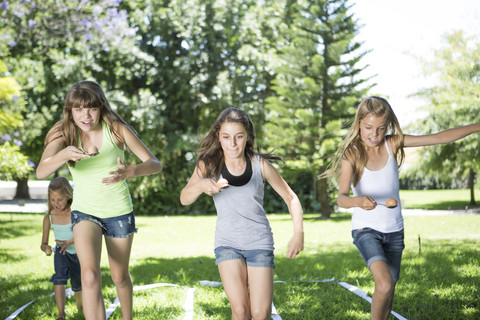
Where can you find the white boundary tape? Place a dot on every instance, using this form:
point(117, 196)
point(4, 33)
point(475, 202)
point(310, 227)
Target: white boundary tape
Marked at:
point(347, 286)
point(364, 296)
point(68, 294)
point(275, 315)
point(188, 301)
point(208, 283)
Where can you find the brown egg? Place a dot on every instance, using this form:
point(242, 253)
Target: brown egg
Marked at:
point(221, 183)
point(391, 203)
point(92, 149)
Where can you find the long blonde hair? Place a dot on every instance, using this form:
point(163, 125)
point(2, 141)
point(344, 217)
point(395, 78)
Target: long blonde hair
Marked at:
point(60, 184)
point(87, 94)
point(353, 149)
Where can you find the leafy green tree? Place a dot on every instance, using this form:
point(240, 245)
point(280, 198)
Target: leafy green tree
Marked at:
point(452, 101)
point(317, 86)
point(49, 45)
point(13, 164)
point(203, 56)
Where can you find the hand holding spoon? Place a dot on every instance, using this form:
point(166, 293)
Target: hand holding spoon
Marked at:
point(92, 151)
point(389, 203)
point(222, 184)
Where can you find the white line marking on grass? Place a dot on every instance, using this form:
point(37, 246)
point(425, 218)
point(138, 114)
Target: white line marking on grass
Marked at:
point(13, 315)
point(189, 304)
point(188, 301)
point(112, 308)
point(275, 315)
point(364, 296)
point(68, 294)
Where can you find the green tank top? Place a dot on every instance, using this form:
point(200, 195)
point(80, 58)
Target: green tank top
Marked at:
point(90, 195)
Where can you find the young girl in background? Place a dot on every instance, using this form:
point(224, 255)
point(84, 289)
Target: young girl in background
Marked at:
point(367, 163)
point(243, 237)
point(66, 262)
point(91, 138)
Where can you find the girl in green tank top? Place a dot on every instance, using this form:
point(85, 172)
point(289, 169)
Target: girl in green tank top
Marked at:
point(90, 138)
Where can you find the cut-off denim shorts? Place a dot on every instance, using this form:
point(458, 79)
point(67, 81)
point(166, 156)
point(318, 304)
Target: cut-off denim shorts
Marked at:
point(67, 267)
point(252, 258)
point(378, 246)
point(115, 227)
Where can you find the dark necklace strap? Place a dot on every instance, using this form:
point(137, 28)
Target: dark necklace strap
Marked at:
point(240, 180)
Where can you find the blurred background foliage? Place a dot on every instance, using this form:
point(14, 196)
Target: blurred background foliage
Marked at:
point(169, 67)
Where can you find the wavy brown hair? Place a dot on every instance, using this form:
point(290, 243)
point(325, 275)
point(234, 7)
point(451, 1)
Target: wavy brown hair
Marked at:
point(87, 94)
point(353, 149)
point(60, 184)
point(211, 152)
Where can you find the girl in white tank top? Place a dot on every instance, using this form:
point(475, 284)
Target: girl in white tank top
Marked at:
point(367, 162)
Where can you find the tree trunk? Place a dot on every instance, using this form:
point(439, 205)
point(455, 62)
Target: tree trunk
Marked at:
point(22, 189)
point(471, 184)
point(323, 199)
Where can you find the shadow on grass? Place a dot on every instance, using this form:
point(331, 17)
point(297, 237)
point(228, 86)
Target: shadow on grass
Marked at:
point(441, 282)
point(295, 299)
point(10, 228)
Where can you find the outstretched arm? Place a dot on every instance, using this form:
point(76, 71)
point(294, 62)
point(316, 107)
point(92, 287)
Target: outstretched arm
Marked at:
point(270, 174)
point(442, 137)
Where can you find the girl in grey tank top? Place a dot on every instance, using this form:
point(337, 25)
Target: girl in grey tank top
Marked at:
point(243, 237)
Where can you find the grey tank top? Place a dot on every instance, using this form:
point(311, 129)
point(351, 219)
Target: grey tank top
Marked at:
point(241, 220)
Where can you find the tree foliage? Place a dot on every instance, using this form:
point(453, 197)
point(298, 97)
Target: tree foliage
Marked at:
point(453, 100)
point(13, 163)
point(317, 85)
point(169, 67)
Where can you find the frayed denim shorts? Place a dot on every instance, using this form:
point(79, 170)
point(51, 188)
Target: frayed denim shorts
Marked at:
point(378, 246)
point(115, 227)
point(252, 258)
point(67, 267)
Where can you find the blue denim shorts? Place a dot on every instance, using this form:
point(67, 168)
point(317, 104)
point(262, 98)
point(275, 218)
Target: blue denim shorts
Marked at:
point(378, 246)
point(115, 227)
point(67, 267)
point(252, 258)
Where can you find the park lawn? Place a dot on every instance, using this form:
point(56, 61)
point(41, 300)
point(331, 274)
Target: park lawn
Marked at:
point(451, 199)
point(439, 278)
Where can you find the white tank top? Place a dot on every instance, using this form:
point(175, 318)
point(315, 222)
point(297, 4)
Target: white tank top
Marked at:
point(380, 185)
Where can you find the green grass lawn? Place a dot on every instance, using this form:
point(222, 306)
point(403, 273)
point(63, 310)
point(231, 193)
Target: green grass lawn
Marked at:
point(438, 199)
point(439, 279)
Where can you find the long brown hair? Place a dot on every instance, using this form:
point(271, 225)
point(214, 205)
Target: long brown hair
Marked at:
point(87, 94)
point(211, 152)
point(60, 184)
point(353, 149)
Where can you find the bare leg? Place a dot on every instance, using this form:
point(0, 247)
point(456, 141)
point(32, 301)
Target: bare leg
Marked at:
point(78, 298)
point(119, 250)
point(59, 290)
point(260, 282)
point(234, 280)
point(88, 244)
point(382, 299)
